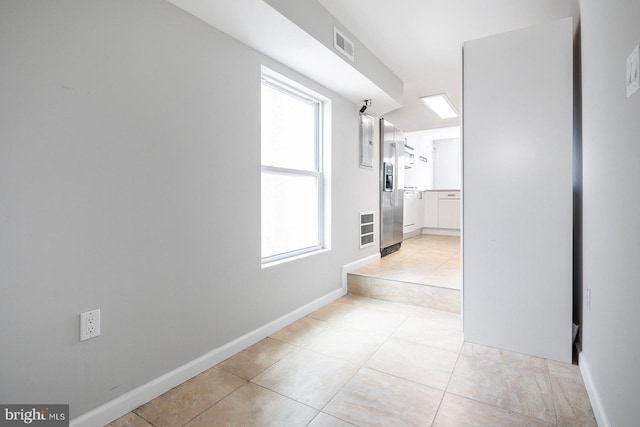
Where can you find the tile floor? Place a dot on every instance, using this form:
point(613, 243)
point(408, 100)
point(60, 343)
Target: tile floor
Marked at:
point(360, 361)
point(424, 272)
point(424, 259)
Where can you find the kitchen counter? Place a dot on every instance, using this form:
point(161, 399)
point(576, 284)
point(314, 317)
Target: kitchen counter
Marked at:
point(432, 190)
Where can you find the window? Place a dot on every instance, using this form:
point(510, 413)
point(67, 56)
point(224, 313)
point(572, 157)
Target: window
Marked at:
point(292, 178)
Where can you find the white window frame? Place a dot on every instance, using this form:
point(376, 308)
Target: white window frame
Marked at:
point(318, 172)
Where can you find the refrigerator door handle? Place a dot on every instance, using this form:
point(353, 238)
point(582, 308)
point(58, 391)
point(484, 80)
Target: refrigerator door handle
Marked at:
point(394, 156)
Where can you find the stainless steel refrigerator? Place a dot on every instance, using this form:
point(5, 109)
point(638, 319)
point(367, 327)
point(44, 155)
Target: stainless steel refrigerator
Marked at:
point(391, 187)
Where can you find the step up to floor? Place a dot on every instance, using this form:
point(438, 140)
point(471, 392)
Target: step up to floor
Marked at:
point(433, 297)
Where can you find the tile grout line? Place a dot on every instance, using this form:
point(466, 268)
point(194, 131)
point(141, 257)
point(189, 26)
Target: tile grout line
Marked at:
point(219, 400)
point(448, 382)
point(361, 367)
point(477, 357)
point(553, 394)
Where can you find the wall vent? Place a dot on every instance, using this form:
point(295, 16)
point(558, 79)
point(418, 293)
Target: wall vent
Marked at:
point(366, 229)
point(342, 44)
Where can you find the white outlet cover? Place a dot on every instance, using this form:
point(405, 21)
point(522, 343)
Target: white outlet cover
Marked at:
point(633, 71)
point(89, 324)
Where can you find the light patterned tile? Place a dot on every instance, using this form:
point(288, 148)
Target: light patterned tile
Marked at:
point(456, 411)
point(448, 275)
point(421, 262)
point(348, 344)
point(325, 420)
point(453, 319)
point(301, 332)
point(378, 318)
point(439, 298)
point(507, 358)
point(308, 377)
point(180, 404)
point(429, 261)
point(573, 407)
point(255, 359)
point(352, 299)
point(129, 420)
point(401, 275)
point(564, 369)
point(254, 406)
point(376, 399)
point(420, 330)
point(425, 365)
point(394, 291)
point(389, 307)
point(510, 386)
point(332, 312)
point(372, 268)
point(358, 285)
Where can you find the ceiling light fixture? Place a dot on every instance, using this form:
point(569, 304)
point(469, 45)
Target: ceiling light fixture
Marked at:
point(440, 105)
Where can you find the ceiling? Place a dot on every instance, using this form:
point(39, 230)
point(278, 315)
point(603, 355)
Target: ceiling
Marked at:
point(421, 41)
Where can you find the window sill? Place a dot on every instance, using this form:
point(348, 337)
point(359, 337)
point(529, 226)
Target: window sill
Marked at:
point(294, 258)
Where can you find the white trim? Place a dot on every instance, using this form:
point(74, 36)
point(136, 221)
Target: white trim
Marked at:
point(361, 262)
point(121, 405)
point(411, 234)
point(594, 396)
point(298, 256)
point(302, 95)
point(441, 231)
point(346, 269)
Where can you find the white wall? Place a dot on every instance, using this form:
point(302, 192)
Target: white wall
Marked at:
point(517, 190)
point(422, 175)
point(130, 182)
point(611, 208)
point(447, 160)
point(313, 18)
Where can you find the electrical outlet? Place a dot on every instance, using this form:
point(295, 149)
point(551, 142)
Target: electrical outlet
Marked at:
point(89, 324)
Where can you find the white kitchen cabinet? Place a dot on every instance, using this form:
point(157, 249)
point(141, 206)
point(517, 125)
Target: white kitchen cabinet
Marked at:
point(449, 214)
point(430, 203)
point(441, 209)
point(449, 209)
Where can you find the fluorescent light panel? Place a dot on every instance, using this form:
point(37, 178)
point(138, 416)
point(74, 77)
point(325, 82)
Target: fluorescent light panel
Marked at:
point(440, 105)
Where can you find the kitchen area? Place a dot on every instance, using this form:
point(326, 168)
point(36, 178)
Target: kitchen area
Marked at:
point(432, 181)
point(420, 264)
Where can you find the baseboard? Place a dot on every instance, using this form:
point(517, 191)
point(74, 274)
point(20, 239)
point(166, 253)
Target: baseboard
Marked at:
point(346, 269)
point(441, 231)
point(411, 234)
point(594, 396)
point(121, 405)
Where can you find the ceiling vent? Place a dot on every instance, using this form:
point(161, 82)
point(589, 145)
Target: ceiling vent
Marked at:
point(342, 44)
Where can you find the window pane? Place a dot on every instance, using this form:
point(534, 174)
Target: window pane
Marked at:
point(288, 130)
point(289, 213)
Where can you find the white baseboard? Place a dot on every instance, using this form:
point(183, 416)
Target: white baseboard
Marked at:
point(594, 396)
point(121, 405)
point(356, 265)
point(410, 234)
point(441, 231)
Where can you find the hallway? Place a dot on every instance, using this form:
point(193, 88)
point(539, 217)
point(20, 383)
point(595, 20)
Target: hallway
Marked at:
point(366, 362)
